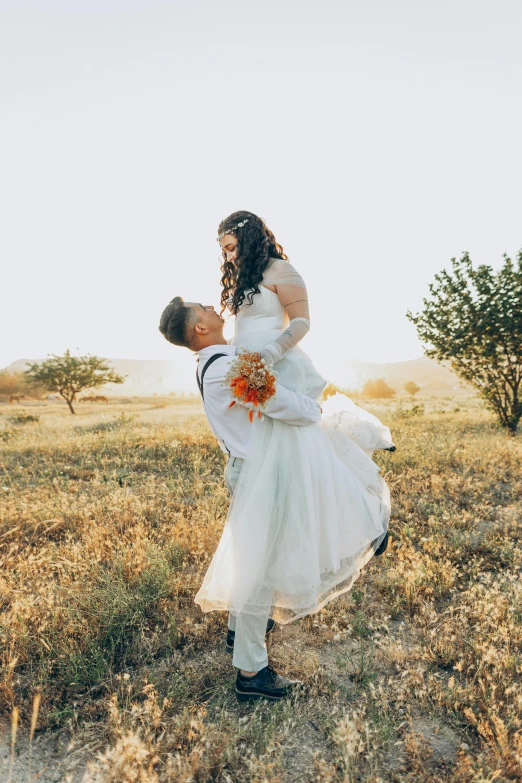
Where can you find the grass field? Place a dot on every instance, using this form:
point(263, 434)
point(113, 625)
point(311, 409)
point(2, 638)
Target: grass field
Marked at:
point(108, 522)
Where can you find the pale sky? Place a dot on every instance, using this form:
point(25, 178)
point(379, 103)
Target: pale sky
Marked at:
point(378, 139)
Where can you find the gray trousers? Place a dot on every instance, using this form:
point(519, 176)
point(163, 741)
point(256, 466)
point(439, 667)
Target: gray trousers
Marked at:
point(249, 644)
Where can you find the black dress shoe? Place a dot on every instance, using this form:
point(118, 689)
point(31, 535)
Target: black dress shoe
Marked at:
point(266, 684)
point(231, 635)
point(383, 546)
point(391, 448)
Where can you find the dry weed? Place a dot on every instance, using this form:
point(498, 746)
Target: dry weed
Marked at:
point(106, 533)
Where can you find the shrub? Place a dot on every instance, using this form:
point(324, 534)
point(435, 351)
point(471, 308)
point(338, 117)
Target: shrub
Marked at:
point(23, 418)
point(411, 388)
point(116, 611)
point(12, 382)
point(401, 412)
point(378, 389)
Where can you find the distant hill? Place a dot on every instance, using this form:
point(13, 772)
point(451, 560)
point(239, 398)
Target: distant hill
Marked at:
point(155, 376)
point(145, 376)
point(432, 377)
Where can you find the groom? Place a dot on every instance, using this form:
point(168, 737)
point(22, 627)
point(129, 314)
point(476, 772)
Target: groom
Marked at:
point(199, 328)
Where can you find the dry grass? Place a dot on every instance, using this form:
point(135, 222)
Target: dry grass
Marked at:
point(108, 523)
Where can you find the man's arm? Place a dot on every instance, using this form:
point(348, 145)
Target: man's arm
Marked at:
point(288, 406)
point(292, 407)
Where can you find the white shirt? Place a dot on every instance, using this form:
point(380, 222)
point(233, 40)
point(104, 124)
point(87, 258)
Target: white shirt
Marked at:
point(231, 426)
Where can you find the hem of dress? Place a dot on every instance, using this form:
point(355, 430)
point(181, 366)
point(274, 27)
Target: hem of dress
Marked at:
point(283, 615)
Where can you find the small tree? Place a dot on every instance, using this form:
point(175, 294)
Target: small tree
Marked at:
point(411, 387)
point(12, 382)
point(474, 321)
point(68, 375)
point(378, 390)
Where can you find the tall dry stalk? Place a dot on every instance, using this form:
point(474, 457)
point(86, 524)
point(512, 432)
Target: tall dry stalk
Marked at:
point(14, 728)
point(34, 718)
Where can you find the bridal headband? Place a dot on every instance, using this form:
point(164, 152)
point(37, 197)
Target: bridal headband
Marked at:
point(230, 230)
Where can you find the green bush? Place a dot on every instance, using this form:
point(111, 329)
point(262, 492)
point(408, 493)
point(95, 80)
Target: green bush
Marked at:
point(116, 612)
point(23, 418)
point(401, 412)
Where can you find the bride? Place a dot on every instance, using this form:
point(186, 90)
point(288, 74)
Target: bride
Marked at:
point(310, 508)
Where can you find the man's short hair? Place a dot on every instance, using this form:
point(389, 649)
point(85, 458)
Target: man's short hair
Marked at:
point(175, 323)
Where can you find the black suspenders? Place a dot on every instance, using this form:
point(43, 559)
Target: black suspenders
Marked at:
point(203, 371)
point(200, 382)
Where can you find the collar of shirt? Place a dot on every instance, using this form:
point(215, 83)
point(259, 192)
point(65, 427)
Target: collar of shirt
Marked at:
point(210, 350)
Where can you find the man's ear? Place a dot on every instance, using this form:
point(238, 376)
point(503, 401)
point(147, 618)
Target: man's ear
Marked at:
point(200, 329)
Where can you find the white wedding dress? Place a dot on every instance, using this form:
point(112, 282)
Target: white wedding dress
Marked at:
point(310, 507)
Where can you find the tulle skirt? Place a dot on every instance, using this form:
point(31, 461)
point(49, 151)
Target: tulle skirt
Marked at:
point(308, 512)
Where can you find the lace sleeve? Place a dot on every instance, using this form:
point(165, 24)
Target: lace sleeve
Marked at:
point(291, 290)
point(282, 272)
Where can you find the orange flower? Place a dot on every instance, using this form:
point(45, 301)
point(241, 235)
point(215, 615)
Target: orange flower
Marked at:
point(240, 387)
point(250, 381)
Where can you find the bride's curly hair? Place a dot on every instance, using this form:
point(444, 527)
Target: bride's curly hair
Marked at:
point(256, 245)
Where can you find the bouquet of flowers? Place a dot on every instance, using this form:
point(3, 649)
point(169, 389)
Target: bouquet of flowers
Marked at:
point(251, 381)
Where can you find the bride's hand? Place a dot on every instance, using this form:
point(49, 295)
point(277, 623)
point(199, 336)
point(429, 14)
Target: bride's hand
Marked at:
point(266, 356)
point(295, 331)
